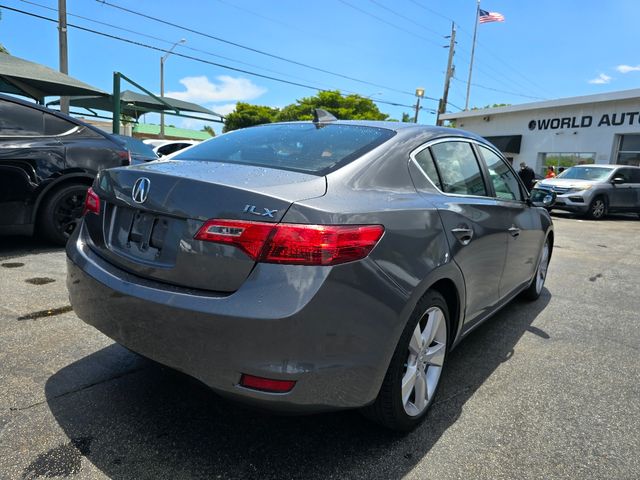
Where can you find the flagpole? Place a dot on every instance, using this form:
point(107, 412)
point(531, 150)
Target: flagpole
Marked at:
point(473, 50)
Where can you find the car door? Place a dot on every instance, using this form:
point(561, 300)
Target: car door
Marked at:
point(525, 234)
point(623, 196)
point(28, 159)
point(473, 225)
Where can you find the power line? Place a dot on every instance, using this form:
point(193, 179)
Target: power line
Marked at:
point(397, 27)
point(190, 57)
point(169, 42)
point(404, 17)
point(498, 90)
point(251, 49)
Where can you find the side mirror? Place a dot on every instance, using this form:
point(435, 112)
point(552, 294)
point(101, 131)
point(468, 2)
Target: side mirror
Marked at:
point(617, 180)
point(542, 198)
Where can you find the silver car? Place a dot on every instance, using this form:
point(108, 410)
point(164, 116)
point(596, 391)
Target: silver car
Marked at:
point(595, 190)
point(310, 266)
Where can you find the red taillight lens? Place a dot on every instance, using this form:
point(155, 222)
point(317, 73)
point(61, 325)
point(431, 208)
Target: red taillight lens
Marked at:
point(91, 203)
point(292, 243)
point(125, 156)
point(266, 384)
point(248, 236)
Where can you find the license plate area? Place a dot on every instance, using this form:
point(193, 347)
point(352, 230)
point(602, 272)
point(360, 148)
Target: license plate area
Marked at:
point(143, 236)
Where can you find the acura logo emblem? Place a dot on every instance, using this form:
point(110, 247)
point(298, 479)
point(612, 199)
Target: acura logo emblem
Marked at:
point(140, 190)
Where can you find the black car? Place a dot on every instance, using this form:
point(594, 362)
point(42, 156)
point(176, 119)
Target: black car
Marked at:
point(47, 162)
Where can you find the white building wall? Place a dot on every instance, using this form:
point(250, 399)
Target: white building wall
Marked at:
point(584, 128)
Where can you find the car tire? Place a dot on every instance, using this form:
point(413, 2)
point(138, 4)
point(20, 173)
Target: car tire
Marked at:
point(537, 282)
point(417, 363)
point(61, 212)
point(597, 208)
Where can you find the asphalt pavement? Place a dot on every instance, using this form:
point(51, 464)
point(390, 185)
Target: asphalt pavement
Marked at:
point(548, 389)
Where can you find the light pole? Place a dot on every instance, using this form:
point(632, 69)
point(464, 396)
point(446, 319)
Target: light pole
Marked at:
point(419, 95)
point(162, 60)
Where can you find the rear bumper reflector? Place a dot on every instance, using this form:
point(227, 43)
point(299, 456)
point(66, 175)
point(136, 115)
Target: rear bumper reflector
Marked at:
point(266, 384)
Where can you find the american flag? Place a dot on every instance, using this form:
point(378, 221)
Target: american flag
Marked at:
point(486, 17)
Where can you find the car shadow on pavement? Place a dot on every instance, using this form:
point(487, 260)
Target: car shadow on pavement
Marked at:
point(132, 418)
point(17, 246)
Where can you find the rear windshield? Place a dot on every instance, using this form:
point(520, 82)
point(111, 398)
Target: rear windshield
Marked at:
point(301, 147)
point(586, 173)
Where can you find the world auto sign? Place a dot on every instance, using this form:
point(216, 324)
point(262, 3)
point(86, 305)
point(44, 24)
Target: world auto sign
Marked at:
point(586, 121)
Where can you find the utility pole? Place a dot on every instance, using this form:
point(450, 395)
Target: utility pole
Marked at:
point(62, 41)
point(419, 95)
point(442, 107)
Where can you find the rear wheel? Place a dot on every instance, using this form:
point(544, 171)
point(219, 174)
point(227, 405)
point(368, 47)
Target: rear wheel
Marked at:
point(413, 377)
point(597, 208)
point(62, 212)
point(535, 289)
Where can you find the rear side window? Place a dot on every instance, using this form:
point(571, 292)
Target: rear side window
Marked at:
point(425, 160)
point(504, 180)
point(57, 126)
point(302, 147)
point(20, 121)
point(459, 169)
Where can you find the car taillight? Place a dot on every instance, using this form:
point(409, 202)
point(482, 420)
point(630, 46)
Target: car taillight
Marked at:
point(125, 156)
point(91, 203)
point(291, 243)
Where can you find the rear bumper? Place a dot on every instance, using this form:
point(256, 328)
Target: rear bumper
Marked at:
point(331, 329)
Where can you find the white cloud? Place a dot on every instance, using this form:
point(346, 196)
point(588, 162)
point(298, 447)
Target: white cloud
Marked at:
point(601, 79)
point(223, 110)
point(628, 68)
point(202, 90)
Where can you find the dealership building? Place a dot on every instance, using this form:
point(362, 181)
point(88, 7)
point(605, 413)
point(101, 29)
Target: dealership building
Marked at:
point(602, 128)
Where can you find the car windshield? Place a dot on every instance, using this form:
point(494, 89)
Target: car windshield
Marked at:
point(586, 173)
point(302, 147)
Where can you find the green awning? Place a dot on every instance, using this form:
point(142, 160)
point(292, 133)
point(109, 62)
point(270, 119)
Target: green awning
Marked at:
point(21, 77)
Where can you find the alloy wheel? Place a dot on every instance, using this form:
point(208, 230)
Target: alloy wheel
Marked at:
point(68, 210)
point(598, 208)
point(541, 274)
point(425, 359)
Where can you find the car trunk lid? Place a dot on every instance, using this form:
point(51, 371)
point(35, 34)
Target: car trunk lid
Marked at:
point(153, 237)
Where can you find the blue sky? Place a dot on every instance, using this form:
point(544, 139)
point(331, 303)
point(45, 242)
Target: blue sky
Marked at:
point(545, 49)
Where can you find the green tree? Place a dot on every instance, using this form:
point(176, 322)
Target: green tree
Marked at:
point(209, 130)
point(247, 115)
point(406, 118)
point(350, 107)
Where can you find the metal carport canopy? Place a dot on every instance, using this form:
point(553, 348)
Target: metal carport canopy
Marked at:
point(22, 77)
point(135, 104)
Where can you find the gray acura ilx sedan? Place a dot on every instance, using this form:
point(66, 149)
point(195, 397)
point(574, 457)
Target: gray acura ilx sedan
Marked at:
point(310, 266)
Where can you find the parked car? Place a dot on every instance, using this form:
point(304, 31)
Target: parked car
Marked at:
point(311, 266)
point(595, 190)
point(48, 160)
point(140, 151)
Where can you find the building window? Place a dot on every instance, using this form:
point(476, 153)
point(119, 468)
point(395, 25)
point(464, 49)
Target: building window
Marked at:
point(629, 152)
point(564, 160)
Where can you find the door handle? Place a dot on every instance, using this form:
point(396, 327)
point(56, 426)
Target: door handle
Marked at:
point(514, 231)
point(464, 235)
